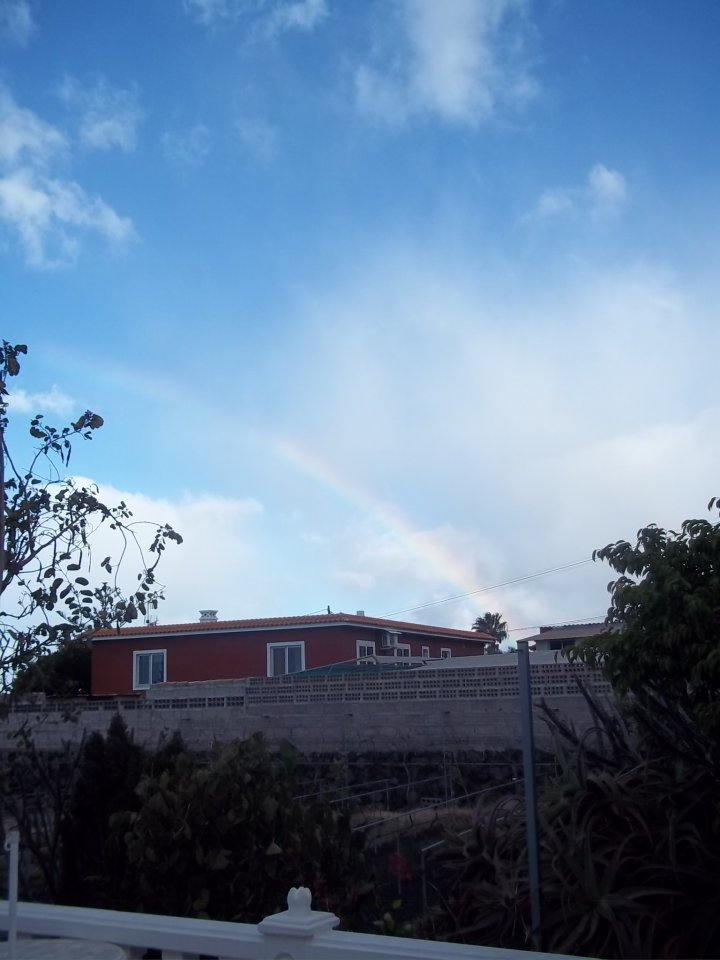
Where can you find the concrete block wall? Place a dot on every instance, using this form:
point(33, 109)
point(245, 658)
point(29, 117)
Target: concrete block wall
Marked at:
point(465, 708)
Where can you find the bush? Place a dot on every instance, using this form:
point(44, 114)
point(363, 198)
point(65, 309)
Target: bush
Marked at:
point(629, 852)
point(226, 840)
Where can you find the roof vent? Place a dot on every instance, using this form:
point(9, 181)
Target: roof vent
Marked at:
point(360, 613)
point(208, 616)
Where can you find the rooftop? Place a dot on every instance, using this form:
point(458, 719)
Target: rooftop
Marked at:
point(569, 631)
point(279, 623)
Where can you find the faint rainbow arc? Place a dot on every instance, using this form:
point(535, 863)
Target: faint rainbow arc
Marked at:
point(440, 559)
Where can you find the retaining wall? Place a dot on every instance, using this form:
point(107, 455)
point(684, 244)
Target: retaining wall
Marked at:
point(445, 709)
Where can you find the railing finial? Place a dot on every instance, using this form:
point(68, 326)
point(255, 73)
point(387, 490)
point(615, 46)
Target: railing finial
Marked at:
point(299, 920)
point(299, 900)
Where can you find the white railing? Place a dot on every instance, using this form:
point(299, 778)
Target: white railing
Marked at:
point(298, 933)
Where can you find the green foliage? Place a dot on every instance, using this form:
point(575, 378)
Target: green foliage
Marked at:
point(493, 624)
point(94, 860)
point(35, 791)
point(663, 643)
point(225, 839)
point(389, 925)
point(65, 804)
point(47, 522)
point(629, 852)
point(630, 829)
point(64, 672)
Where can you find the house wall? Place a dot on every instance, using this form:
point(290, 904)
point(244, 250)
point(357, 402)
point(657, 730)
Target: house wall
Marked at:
point(220, 656)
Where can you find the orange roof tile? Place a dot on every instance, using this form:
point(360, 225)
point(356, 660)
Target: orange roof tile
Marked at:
point(275, 623)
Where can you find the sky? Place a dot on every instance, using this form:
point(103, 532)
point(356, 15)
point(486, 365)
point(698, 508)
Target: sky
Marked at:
point(383, 302)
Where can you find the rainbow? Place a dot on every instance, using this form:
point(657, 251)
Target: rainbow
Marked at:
point(449, 571)
point(444, 563)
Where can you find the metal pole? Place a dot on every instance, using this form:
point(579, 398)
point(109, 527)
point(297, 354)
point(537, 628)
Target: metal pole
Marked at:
point(531, 816)
point(12, 846)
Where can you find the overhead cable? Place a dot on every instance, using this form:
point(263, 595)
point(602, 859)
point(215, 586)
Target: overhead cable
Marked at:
point(495, 586)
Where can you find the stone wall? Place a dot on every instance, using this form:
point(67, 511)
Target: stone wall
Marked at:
point(446, 709)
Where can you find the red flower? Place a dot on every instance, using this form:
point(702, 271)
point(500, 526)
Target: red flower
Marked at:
point(398, 866)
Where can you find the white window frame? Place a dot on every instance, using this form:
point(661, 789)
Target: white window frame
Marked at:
point(136, 672)
point(366, 644)
point(286, 643)
point(445, 653)
point(402, 646)
point(425, 652)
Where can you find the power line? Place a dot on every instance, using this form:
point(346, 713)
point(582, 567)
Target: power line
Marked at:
point(495, 586)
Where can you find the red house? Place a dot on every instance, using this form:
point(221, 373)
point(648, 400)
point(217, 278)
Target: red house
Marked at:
point(130, 660)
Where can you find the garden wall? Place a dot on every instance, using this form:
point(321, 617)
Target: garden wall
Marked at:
point(445, 709)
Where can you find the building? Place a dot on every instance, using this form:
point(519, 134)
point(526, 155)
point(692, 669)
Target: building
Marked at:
point(132, 659)
point(567, 635)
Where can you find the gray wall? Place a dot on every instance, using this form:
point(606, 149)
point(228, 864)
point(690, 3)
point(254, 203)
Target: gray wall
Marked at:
point(475, 707)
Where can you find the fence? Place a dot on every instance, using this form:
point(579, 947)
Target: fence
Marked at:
point(299, 933)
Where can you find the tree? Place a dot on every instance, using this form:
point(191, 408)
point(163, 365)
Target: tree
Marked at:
point(63, 672)
point(663, 641)
point(493, 624)
point(47, 524)
point(629, 840)
point(94, 869)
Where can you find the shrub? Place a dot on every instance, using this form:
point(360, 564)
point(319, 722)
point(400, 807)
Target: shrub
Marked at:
point(226, 840)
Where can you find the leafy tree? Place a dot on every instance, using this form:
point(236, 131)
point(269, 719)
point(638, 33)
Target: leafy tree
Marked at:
point(630, 826)
point(663, 641)
point(47, 523)
point(94, 867)
point(35, 791)
point(493, 624)
point(64, 672)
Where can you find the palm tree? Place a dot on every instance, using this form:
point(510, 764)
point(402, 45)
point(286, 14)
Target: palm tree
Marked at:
point(493, 624)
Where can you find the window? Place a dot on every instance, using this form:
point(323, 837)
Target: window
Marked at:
point(445, 652)
point(561, 644)
point(365, 648)
point(402, 650)
point(426, 652)
point(148, 668)
point(285, 658)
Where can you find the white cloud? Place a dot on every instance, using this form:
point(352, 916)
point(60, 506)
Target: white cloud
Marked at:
point(607, 188)
point(604, 194)
point(212, 568)
point(24, 136)
point(270, 17)
point(188, 147)
point(555, 202)
point(257, 137)
point(518, 429)
point(303, 15)
point(207, 11)
point(460, 60)
point(16, 21)
point(46, 214)
point(54, 401)
point(108, 116)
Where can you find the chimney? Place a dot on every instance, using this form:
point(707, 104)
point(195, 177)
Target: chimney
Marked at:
point(208, 616)
point(360, 613)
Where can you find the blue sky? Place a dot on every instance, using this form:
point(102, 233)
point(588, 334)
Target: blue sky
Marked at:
point(381, 301)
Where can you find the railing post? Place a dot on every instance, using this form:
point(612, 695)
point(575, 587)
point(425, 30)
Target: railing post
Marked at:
point(299, 921)
point(12, 846)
